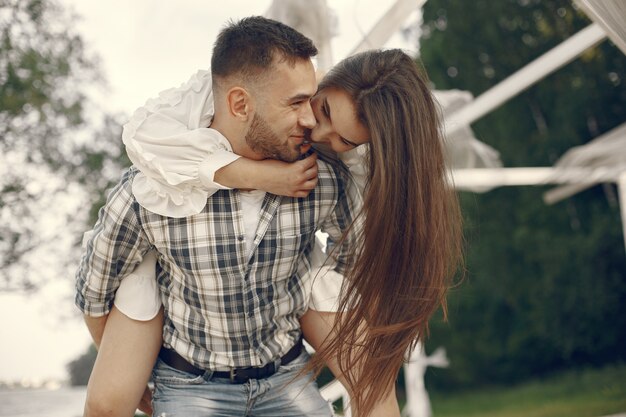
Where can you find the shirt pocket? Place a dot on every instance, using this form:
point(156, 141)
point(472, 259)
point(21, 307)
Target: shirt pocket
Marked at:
point(293, 244)
point(283, 253)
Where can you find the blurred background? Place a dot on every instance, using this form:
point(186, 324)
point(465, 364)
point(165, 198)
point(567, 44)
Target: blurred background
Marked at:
point(538, 325)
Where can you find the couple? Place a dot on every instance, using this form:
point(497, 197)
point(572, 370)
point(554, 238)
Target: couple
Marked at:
point(225, 218)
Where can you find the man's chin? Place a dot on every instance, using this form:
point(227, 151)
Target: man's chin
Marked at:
point(293, 157)
point(287, 156)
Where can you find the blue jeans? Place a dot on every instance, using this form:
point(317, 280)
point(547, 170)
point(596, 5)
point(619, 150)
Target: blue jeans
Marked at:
point(179, 394)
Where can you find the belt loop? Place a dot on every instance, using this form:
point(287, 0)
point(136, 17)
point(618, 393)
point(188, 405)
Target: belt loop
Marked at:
point(207, 375)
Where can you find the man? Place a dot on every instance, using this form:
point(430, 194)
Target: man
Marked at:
point(231, 277)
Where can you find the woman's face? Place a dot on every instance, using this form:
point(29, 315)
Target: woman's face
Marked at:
point(337, 122)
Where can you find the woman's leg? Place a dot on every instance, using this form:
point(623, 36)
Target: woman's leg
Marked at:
point(126, 355)
point(317, 329)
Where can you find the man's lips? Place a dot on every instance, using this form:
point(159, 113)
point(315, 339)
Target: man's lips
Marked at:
point(304, 148)
point(303, 142)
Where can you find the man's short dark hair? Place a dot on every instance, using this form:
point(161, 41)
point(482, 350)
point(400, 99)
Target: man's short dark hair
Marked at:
point(248, 47)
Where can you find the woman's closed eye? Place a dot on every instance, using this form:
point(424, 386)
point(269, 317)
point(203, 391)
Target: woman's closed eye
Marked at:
point(325, 109)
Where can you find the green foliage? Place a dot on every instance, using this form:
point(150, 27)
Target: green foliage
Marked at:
point(53, 140)
point(42, 65)
point(584, 393)
point(546, 287)
point(80, 368)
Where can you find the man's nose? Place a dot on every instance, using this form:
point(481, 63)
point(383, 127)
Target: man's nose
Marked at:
point(307, 119)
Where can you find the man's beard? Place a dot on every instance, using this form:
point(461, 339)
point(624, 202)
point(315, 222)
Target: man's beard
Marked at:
point(264, 141)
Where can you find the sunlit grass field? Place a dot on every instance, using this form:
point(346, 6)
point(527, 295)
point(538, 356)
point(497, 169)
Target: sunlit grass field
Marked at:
point(585, 393)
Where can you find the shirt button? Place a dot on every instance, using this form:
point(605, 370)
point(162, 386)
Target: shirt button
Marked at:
point(240, 238)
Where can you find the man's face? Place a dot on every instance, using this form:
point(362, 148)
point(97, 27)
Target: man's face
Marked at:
point(283, 112)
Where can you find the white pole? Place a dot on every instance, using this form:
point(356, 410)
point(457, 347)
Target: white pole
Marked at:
point(497, 177)
point(527, 76)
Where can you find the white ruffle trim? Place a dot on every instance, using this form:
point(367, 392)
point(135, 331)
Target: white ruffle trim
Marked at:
point(166, 200)
point(169, 185)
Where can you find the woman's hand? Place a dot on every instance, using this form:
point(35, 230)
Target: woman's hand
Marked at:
point(145, 404)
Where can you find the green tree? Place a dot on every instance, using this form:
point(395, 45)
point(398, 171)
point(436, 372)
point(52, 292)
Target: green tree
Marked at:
point(546, 287)
point(56, 147)
point(80, 368)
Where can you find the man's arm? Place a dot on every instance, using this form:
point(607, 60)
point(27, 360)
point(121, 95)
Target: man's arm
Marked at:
point(127, 351)
point(117, 245)
point(96, 325)
point(114, 249)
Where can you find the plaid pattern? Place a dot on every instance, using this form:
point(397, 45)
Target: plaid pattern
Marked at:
point(221, 309)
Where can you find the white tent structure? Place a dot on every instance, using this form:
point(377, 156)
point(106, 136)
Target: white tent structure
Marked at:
point(601, 160)
point(474, 165)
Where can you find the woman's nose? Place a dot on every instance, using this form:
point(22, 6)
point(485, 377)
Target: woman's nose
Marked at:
point(318, 139)
point(319, 134)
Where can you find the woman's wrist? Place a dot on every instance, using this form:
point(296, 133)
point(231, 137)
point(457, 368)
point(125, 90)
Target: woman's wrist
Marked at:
point(240, 174)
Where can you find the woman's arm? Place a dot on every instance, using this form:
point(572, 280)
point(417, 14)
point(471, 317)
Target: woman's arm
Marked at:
point(317, 329)
point(294, 179)
point(179, 156)
point(126, 354)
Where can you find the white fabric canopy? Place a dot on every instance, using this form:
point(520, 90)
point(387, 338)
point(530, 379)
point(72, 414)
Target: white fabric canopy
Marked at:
point(605, 155)
point(611, 15)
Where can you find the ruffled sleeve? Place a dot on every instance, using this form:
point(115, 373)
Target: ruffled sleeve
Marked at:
point(176, 153)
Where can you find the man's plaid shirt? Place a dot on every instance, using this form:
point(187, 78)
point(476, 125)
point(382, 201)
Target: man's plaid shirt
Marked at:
point(221, 309)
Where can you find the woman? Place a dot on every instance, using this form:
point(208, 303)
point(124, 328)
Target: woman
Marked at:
point(411, 233)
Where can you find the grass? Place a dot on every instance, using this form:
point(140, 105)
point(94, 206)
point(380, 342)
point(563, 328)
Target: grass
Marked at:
point(584, 393)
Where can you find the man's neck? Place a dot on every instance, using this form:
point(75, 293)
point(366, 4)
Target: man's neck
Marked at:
point(236, 137)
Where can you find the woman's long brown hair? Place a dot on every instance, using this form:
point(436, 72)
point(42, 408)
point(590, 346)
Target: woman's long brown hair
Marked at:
point(411, 237)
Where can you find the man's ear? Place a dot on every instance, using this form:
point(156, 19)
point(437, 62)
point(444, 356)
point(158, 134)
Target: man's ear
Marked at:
point(240, 103)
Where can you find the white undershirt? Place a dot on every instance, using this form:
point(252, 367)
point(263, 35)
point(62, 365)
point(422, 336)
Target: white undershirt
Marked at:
point(251, 203)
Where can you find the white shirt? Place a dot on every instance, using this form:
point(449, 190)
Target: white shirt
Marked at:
point(251, 203)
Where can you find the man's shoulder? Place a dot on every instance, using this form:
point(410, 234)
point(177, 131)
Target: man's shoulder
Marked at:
point(126, 180)
point(333, 178)
point(128, 174)
point(331, 167)
point(122, 192)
